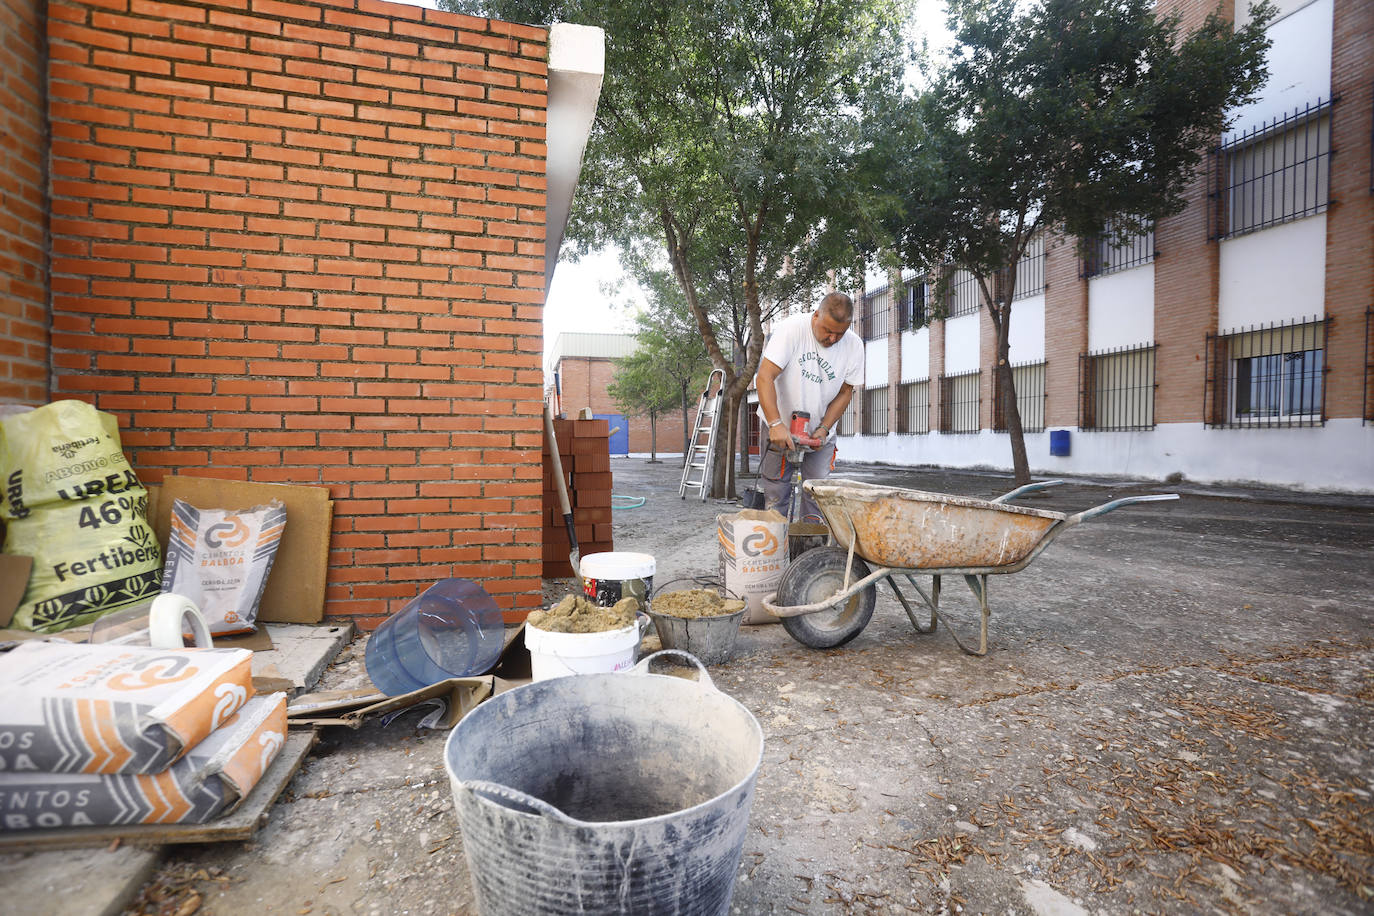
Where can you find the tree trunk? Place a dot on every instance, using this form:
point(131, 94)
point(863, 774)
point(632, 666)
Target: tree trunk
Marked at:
point(686, 426)
point(653, 437)
point(1011, 411)
point(744, 419)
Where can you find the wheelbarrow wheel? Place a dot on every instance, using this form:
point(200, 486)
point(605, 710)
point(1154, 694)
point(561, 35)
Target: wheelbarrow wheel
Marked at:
point(815, 576)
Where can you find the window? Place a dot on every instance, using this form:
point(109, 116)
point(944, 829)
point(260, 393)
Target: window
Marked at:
point(1275, 173)
point(963, 295)
point(1029, 380)
point(912, 313)
point(1116, 389)
point(1106, 255)
point(959, 403)
point(1030, 270)
point(913, 407)
point(1270, 376)
point(846, 427)
point(875, 411)
point(876, 320)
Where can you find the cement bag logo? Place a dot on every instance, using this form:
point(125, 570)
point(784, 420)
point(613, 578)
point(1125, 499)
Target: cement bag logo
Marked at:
point(230, 533)
point(155, 672)
point(761, 543)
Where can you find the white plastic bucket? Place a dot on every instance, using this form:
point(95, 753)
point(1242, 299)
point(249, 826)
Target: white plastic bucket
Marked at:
point(609, 577)
point(561, 654)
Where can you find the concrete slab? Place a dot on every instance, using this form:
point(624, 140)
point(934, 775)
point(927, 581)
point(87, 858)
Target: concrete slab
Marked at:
point(76, 882)
point(300, 653)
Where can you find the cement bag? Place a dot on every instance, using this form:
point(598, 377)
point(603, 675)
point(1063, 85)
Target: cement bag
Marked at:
point(753, 557)
point(71, 501)
point(105, 708)
point(220, 559)
point(210, 780)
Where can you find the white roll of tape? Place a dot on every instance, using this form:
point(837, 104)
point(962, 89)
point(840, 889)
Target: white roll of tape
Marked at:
point(170, 617)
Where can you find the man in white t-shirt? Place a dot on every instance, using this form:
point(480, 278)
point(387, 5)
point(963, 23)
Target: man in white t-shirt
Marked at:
point(811, 363)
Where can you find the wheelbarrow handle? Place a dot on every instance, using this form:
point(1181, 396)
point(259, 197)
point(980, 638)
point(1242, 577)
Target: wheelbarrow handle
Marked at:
point(1103, 509)
point(1028, 488)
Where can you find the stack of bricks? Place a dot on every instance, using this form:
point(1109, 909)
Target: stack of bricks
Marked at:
point(584, 449)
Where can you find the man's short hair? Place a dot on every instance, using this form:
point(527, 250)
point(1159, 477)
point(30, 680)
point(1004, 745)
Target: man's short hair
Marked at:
point(839, 307)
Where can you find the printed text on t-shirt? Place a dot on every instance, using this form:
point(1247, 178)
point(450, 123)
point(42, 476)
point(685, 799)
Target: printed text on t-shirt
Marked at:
point(821, 366)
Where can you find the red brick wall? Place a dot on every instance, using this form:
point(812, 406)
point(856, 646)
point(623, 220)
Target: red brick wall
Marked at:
point(303, 242)
point(23, 218)
point(584, 382)
point(1350, 221)
point(1066, 330)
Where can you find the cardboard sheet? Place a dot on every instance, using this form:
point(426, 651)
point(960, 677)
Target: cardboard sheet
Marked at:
point(295, 588)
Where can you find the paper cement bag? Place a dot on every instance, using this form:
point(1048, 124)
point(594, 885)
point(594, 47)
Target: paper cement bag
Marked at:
point(70, 500)
point(106, 708)
point(753, 557)
point(210, 780)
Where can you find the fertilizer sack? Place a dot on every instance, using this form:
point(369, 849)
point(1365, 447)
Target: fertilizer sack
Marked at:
point(106, 708)
point(71, 501)
point(210, 780)
point(753, 557)
point(220, 559)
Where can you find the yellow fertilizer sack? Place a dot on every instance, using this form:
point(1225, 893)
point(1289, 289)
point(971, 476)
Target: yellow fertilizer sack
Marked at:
point(71, 501)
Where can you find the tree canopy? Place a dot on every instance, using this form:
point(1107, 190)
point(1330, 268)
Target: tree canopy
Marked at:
point(727, 135)
point(1079, 115)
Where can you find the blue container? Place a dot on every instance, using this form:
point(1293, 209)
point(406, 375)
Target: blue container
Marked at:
point(1059, 442)
point(453, 629)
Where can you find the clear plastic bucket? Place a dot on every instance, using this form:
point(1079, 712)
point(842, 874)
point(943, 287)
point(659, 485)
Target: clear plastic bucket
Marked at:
point(453, 629)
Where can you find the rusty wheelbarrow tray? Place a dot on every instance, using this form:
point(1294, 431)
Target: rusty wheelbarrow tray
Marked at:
point(906, 532)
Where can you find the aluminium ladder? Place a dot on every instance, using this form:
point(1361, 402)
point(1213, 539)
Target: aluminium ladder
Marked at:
point(696, 470)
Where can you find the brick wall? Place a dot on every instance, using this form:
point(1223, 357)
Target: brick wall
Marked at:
point(302, 242)
point(584, 382)
point(1066, 330)
point(23, 215)
point(1350, 220)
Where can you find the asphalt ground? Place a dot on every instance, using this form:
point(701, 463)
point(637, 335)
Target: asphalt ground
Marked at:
point(1173, 716)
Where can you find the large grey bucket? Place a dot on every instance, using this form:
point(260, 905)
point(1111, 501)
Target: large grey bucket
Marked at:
point(605, 793)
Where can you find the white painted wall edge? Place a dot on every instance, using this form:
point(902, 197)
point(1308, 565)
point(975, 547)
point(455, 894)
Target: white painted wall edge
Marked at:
point(577, 63)
point(1335, 457)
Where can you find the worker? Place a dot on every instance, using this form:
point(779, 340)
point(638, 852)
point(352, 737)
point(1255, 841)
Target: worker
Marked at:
point(810, 363)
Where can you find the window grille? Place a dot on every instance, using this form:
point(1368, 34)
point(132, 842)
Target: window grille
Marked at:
point(963, 296)
point(1029, 379)
point(912, 312)
point(913, 407)
point(877, 314)
point(1275, 173)
point(1267, 376)
point(1116, 389)
point(1368, 366)
point(959, 403)
point(846, 427)
point(755, 440)
point(1105, 256)
point(1030, 270)
point(875, 411)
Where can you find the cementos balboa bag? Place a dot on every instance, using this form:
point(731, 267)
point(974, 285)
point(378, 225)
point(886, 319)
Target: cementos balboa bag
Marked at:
point(71, 501)
point(220, 559)
point(753, 557)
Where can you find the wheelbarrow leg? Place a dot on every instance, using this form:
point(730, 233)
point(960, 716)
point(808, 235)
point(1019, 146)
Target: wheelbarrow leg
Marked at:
point(979, 586)
point(906, 605)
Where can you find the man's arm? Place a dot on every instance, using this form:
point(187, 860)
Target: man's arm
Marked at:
point(834, 410)
point(766, 382)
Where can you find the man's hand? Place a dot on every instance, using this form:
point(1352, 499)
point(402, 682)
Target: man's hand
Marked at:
point(781, 438)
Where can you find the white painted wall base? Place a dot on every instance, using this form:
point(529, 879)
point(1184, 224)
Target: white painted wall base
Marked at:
point(1337, 457)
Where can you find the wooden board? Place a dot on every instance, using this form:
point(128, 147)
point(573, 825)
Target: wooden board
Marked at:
point(240, 824)
point(295, 587)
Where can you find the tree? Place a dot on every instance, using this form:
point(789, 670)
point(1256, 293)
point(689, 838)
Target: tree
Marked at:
point(727, 134)
point(669, 363)
point(1086, 116)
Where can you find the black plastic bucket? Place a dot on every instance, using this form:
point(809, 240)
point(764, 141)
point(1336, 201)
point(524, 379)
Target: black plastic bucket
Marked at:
point(605, 793)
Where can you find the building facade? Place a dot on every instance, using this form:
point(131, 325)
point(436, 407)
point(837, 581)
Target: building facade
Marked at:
point(1232, 343)
point(582, 366)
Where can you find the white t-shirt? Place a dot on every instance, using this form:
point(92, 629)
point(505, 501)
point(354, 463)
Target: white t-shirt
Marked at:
point(811, 375)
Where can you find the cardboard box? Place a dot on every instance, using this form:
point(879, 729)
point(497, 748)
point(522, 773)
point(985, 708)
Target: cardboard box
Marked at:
point(104, 708)
point(295, 588)
point(210, 780)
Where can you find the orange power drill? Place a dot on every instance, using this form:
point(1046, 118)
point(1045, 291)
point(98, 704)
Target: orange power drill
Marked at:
point(800, 421)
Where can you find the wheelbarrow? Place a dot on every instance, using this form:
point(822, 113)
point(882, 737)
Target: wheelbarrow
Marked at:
point(826, 596)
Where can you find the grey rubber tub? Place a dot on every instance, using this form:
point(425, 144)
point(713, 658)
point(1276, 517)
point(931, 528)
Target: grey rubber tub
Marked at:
point(605, 793)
